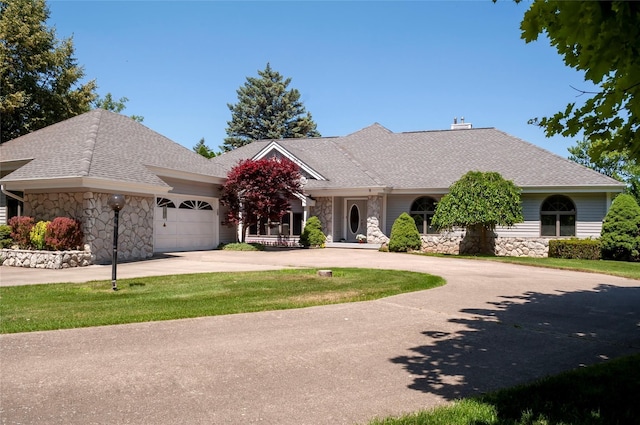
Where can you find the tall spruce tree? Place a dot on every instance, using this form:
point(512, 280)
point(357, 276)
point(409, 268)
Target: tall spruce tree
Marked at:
point(39, 78)
point(267, 109)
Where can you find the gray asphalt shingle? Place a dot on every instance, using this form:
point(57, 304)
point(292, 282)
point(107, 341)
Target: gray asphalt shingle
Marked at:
point(375, 156)
point(104, 145)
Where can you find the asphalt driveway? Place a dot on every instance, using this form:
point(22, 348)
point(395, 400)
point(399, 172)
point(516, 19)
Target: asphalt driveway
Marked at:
point(492, 325)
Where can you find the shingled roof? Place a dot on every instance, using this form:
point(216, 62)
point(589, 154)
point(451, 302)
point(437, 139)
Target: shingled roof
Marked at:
point(101, 146)
point(429, 160)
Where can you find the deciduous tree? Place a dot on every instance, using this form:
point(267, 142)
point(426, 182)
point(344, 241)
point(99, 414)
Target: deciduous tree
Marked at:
point(267, 109)
point(40, 78)
point(479, 201)
point(258, 190)
point(612, 163)
point(601, 38)
point(110, 104)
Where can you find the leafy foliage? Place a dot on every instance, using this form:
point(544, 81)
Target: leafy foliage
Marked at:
point(581, 249)
point(620, 237)
point(267, 109)
point(602, 39)
point(612, 163)
point(39, 79)
point(21, 230)
point(109, 104)
point(404, 234)
point(259, 190)
point(312, 234)
point(37, 234)
point(64, 233)
point(242, 247)
point(483, 199)
point(201, 149)
point(5, 236)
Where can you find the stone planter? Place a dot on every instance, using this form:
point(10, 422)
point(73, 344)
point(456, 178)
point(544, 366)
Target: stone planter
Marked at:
point(45, 259)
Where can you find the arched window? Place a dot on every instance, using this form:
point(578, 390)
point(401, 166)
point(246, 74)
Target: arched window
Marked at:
point(558, 216)
point(422, 211)
point(195, 205)
point(164, 202)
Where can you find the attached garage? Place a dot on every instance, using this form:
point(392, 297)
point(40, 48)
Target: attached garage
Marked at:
point(185, 224)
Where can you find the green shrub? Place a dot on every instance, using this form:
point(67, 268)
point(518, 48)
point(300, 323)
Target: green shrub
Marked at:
point(37, 234)
point(64, 233)
point(312, 234)
point(5, 236)
point(579, 249)
point(404, 235)
point(242, 246)
point(620, 237)
point(20, 231)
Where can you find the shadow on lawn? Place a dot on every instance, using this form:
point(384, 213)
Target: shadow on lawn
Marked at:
point(520, 339)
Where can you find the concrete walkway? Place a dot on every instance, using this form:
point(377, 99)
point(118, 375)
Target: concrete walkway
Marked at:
point(493, 325)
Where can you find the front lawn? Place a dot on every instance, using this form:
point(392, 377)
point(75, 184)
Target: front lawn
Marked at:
point(67, 305)
point(614, 268)
point(602, 394)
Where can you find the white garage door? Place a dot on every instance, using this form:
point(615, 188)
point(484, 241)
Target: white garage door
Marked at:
point(184, 225)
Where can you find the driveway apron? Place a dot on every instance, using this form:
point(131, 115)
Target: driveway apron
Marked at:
point(492, 325)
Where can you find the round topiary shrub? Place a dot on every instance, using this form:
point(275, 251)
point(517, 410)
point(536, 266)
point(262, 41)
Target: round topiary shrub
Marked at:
point(312, 234)
point(620, 237)
point(404, 235)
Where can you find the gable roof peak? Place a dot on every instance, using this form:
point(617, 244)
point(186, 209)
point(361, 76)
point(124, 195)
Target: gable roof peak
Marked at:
point(374, 129)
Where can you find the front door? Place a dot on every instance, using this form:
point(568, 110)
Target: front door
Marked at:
point(356, 218)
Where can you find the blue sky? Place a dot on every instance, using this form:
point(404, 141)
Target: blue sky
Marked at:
point(409, 66)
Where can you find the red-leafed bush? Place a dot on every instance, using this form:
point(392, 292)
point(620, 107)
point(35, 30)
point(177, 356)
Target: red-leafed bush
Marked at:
point(20, 230)
point(260, 190)
point(64, 233)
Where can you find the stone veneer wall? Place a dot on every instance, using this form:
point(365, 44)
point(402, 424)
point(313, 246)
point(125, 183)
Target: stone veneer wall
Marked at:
point(507, 247)
point(45, 259)
point(374, 216)
point(135, 229)
point(324, 211)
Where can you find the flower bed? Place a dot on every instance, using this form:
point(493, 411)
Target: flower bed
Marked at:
point(45, 259)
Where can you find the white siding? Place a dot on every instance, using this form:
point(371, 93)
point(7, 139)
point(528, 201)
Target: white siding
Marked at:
point(3, 215)
point(590, 210)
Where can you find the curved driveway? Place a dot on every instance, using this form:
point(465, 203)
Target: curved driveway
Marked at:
point(492, 325)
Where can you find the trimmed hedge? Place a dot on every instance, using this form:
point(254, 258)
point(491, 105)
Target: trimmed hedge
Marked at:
point(579, 249)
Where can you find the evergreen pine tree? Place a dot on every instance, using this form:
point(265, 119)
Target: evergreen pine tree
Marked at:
point(267, 109)
point(39, 78)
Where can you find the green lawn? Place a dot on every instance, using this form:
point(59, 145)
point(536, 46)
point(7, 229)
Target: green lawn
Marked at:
point(597, 395)
point(62, 306)
point(614, 268)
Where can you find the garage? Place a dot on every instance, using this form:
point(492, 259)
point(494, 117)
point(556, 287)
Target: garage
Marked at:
point(184, 224)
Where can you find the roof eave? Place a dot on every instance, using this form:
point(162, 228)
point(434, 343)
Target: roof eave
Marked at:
point(185, 175)
point(84, 183)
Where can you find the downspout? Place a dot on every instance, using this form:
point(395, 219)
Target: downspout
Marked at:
point(14, 196)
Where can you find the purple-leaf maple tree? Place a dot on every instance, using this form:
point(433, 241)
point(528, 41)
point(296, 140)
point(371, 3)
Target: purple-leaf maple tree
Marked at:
point(258, 190)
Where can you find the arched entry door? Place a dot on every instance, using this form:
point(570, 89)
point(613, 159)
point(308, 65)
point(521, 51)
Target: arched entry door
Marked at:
point(356, 218)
